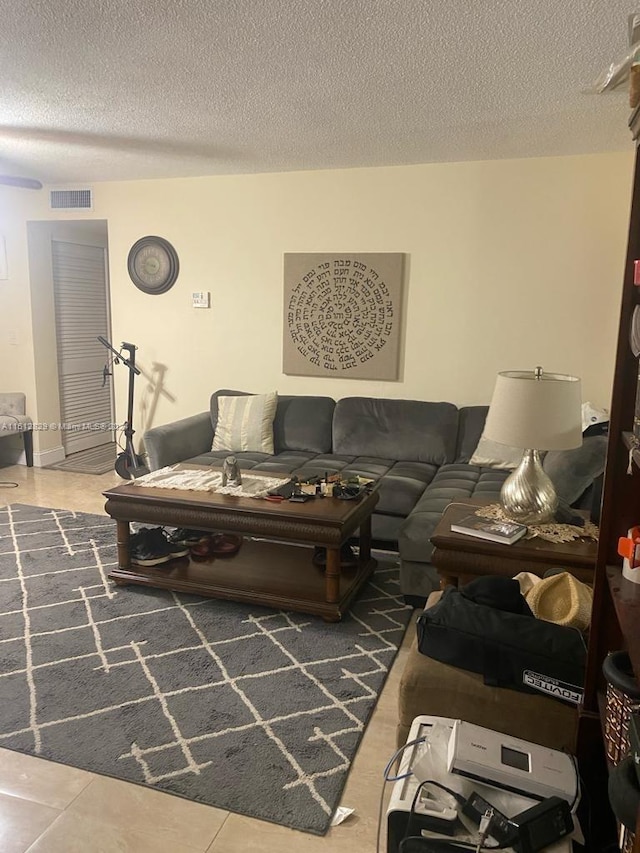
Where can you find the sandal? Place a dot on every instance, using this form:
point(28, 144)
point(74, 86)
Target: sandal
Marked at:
point(225, 544)
point(217, 545)
point(203, 548)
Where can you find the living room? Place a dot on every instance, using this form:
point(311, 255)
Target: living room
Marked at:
point(511, 263)
point(511, 260)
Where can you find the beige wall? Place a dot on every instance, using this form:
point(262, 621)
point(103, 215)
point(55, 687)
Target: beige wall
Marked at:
point(16, 337)
point(510, 264)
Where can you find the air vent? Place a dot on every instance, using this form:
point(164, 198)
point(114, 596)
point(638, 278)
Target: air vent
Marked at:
point(71, 199)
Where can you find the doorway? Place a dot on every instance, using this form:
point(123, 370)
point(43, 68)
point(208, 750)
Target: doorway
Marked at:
point(70, 307)
point(81, 314)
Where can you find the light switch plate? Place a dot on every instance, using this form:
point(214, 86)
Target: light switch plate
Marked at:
point(201, 299)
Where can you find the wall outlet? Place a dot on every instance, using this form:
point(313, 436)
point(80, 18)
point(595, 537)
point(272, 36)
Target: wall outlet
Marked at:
point(201, 299)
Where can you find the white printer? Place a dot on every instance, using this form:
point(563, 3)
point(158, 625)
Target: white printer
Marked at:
point(511, 764)
point(484, 769)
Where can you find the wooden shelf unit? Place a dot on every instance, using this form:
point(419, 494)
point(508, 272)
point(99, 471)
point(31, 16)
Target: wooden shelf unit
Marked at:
point(616, 605)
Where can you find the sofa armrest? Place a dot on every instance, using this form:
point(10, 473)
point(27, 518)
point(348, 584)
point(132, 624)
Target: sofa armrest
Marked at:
point(12, 404)
point(174, 442)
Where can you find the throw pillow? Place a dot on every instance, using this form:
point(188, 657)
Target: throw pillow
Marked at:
point(490, 454)
point(573, 471)
point(245, 423)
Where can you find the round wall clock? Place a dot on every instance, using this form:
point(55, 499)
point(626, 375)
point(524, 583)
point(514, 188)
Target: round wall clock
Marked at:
point(153, 264)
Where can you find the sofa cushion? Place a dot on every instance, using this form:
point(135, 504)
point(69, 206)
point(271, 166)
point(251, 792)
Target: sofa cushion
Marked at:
point(289, 461)
point(411, 430)
point(245, 423)
point(215, 458)
point(402, 486)
point(400, 483)
point(451, 483)
point(455, 482)
point(471, 420)
point(300, 423)
point(323, 463)
point(281, 463)
point(303, 423)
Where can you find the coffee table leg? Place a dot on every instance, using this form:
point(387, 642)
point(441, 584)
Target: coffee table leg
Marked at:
point(332, 576)
point(123, 535)
point(365, 541)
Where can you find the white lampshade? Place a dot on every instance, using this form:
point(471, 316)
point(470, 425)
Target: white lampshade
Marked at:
point(536, 410)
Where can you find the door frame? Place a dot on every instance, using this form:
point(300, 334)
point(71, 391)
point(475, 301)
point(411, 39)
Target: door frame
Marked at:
point(48, 448)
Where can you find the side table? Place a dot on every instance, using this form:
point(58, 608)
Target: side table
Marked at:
point(459, 558)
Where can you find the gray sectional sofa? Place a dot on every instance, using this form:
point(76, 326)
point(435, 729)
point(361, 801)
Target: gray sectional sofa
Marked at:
point(419, 452)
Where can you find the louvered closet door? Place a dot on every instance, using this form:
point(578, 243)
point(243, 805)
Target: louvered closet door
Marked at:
point(80, 294)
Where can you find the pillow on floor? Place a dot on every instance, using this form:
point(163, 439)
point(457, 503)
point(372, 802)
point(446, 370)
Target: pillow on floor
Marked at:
point(245, 423)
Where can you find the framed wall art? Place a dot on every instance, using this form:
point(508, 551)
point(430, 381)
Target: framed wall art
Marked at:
point(342, 314)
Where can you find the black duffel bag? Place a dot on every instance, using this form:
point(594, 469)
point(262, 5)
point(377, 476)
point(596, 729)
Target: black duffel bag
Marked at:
point(509, 649)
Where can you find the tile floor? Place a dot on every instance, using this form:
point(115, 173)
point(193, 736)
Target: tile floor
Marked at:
point(51, 808)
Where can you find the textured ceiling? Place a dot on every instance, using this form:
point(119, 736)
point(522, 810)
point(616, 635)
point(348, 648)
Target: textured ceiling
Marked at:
point(97, 90)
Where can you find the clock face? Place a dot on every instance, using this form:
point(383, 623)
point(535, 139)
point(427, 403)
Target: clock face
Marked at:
point(153, 264)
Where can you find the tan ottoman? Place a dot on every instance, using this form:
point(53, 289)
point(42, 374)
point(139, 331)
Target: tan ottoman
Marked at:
point(430, 687)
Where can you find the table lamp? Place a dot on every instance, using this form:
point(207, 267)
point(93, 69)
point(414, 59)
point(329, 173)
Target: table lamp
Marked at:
point(536, 411)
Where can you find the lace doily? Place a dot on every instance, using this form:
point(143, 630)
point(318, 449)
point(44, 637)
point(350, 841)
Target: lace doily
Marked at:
point(208, 480)
point(550, 532)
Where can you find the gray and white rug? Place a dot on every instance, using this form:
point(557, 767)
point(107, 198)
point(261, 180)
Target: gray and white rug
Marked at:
point(248, 709)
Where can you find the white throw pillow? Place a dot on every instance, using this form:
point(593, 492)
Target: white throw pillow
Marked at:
point(245, 423)
point(491, 454)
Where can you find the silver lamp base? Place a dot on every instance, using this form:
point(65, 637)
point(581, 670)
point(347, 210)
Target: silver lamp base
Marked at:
point(528, 495)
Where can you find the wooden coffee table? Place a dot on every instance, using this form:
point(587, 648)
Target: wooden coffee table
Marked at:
point(274, 565)
point(459, 558)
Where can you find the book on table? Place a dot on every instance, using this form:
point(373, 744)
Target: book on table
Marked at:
point(506, 532)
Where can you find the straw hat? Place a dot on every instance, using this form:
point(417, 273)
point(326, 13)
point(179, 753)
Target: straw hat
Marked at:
point(562, 599)
point(526, 581)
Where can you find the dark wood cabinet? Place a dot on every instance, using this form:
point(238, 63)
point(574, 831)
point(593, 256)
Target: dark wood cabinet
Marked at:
point(616, 605)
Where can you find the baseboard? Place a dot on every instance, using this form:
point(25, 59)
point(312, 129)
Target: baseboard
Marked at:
point(42, 458)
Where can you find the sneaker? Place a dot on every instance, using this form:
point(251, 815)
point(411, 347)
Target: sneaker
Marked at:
point(144, 552)
point(159, 538)
point(150, 547)
point(185, 536)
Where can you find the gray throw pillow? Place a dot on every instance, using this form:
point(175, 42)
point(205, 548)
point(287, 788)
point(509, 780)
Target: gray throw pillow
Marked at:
point(573, 471)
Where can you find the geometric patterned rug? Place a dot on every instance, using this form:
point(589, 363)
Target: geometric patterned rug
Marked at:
point(252, 710)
